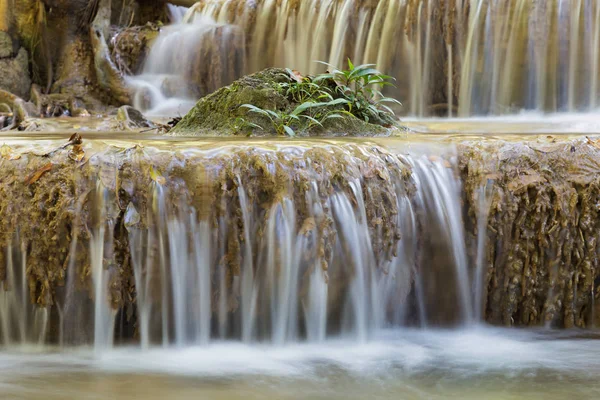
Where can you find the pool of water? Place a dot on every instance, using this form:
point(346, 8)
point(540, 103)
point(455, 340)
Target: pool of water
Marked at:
point(476, 363)
point(524, 123)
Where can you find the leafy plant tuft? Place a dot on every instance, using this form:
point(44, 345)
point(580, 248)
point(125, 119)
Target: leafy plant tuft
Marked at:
point(354, 92)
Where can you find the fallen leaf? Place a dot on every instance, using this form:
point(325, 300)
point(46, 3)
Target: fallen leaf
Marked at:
point(297, 76)
point(38, 174)
point(593, 142)
point(77, 153)
point(8, 154)
point(75, 139)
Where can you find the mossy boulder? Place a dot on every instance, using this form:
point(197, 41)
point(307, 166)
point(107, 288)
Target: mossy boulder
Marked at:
point(221, 113)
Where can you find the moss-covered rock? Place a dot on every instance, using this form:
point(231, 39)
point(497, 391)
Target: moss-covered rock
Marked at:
point(221, 113)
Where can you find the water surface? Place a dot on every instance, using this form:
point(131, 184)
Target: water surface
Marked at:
point(477, 363)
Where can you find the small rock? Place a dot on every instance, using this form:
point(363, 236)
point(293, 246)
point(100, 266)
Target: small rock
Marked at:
point(132, 118)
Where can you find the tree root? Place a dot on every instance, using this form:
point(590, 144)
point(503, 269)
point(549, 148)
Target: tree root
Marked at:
point(107, 73)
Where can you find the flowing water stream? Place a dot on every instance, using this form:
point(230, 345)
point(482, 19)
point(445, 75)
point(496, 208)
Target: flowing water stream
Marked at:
point(408, 364)
point(288, 269)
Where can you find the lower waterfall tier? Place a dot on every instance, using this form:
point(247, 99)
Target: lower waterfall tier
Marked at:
point(183, 241)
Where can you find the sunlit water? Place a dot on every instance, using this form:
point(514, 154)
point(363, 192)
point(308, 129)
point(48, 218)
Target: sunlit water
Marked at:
point(400, 364)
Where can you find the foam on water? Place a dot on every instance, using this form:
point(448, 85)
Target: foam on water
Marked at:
point(456, 354)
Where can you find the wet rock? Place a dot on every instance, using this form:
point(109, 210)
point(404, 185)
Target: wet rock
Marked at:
point(15, 73)
point(132, 119)
point(543, 230)
point(130, 46)
point(222, 113)
point(6, 45)
point(54, 199)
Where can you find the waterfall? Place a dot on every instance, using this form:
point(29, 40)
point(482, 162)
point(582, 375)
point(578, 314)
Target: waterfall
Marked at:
point(190, 58)
point(450, 57)
point(274, 245)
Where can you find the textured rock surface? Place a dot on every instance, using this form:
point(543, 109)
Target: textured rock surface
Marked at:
point(6, 45)
point(58, 197)
point(543, 230)
point(14, 67)
point(221, 114)
point(539, 262)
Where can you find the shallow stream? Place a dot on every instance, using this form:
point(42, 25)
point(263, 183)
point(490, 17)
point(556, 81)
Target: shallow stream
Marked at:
point(475, 363)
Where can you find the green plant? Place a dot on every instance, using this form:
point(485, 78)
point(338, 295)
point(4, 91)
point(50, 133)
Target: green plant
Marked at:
point(241, 125)
point(301, 89)
point(288, 123)
point(361, 86)
point(355, 92)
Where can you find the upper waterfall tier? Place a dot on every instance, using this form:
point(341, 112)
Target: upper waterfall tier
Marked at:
point(450, 57)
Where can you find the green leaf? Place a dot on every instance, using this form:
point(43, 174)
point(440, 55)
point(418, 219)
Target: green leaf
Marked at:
point(387, 109)
point(311, 104)
point(327, 64)
point(325, 95)
point(350, 65)
point(253, 125)
point(322, 77)
point(304, 106)
point(253, 108)
point(313, 120)
point(389, 100)
point(289, 130)
point(272, 114)
point(336, 102)
point(367, 72)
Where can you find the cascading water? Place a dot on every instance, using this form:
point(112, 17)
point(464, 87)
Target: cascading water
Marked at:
point(250, 255)
point(459, 57)
point(190, 58)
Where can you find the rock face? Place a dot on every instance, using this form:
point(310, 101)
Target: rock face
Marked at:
point(14, 64)
point(96, 208)
point(130, 46)
point(221, 113)
point(6, 45)
point(77, 214)
point(542, 235)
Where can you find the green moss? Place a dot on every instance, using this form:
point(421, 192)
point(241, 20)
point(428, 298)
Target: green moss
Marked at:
point(221, 113)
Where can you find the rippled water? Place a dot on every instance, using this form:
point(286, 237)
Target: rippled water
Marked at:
point(401, 364)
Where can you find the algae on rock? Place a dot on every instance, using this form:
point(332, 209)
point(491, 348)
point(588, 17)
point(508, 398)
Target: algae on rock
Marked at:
point(541, 259)
point(222, 113)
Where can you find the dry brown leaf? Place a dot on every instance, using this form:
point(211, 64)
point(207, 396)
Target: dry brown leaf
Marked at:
point(297, 76)
point(77, 153)
point(75, 139)
point(594, 143)
point(38, 174)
